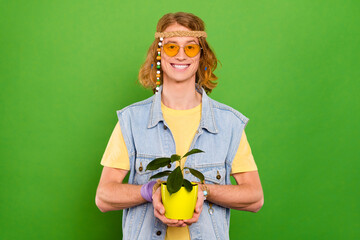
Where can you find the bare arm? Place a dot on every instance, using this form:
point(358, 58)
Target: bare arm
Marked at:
point(112, 194)
point(247, 195)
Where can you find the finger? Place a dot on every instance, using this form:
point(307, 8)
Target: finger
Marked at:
point(157, 202)
point(180, 223)
point(199, 204)
point(184, 225)
point(198, 209)
point(159, 207)
point(167, 221)
point(196, 215)
point(173, 222)
point(192, 220)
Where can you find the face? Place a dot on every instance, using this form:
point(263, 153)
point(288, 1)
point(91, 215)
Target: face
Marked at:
point(180, 67)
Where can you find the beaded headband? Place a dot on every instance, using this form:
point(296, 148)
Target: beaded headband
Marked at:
point(161, 36)
point(181, 34)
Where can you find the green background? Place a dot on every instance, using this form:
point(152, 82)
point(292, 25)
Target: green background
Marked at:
point(292, 67)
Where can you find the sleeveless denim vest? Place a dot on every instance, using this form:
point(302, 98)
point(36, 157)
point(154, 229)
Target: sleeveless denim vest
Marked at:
point(147, 136)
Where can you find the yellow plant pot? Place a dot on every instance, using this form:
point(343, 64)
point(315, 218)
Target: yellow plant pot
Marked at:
point(179, 205)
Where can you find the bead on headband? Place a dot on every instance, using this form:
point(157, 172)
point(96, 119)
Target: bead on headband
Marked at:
point(161, 36)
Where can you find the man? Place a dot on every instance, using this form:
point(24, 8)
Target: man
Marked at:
point(179, 117)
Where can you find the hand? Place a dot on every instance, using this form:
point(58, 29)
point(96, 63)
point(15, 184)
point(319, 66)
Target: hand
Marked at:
point(198, 208)
point(159, 211)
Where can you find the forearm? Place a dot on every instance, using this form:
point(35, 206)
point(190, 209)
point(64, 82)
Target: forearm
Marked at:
point(116, 196)
point(241, 197)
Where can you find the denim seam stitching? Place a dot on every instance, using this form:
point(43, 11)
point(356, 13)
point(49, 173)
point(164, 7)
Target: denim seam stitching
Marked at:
point(131, 151)
point(142, 220)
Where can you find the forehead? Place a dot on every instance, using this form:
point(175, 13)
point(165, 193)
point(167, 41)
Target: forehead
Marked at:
point(181, 40)
point(178, 27)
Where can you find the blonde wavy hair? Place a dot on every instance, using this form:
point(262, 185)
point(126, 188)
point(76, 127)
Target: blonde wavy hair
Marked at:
point(204, 78)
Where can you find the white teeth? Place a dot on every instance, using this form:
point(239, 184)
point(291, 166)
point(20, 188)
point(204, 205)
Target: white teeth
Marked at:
point(180, 66)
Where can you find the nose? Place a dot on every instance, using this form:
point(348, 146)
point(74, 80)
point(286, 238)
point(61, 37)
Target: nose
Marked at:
point(181, 54)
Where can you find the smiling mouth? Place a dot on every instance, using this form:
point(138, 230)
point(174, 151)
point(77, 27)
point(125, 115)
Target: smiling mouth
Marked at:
point(180, 66)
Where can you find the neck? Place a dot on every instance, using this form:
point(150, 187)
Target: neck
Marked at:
point(180, 95)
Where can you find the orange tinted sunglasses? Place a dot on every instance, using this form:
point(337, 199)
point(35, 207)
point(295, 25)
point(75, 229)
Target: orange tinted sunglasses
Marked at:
point(172, 49)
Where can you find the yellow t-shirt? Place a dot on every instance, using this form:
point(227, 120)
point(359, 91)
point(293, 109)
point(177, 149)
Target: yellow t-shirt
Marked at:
point(183, 125)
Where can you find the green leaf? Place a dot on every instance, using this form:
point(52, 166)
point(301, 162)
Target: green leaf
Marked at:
point(175, 157)
point(188, 185)
point(193, 151)
point(197, 174)
point(174, 181)
point(158, 163)
point(161, 174)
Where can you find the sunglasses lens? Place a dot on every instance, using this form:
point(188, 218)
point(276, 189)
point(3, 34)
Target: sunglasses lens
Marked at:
point(192, 50)
point(171, 49)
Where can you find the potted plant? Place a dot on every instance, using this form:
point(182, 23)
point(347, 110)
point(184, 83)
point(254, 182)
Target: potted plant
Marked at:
point(178, 194)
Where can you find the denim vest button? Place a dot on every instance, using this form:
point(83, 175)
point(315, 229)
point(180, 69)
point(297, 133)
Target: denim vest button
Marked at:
point(158, 233)
point(165, 127)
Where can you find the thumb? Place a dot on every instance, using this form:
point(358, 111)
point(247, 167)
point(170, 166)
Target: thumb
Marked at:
point(162, 211)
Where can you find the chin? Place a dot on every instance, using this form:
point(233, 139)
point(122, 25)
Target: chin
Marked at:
point(181, 76)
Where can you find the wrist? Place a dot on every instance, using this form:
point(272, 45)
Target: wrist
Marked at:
point(156, 186)
point(205, 190)
point(146, 190)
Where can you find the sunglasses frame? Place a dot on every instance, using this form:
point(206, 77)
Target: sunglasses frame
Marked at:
point(183, 48)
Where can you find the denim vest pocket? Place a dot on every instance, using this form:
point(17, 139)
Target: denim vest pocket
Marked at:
point(212, 164)
point(141, 175)
point(213, 175)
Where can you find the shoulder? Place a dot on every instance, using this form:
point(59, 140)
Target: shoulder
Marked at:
point(227, 112)
point(136, 107)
